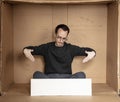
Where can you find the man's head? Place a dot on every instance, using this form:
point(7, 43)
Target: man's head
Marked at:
point(61, 32)
point(63, 27)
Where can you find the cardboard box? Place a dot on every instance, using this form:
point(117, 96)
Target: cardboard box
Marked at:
point(93, 24)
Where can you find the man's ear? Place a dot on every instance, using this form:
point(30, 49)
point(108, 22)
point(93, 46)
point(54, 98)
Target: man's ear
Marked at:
point(54, 36)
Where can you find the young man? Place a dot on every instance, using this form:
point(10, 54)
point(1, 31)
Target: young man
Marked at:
point(58, 55)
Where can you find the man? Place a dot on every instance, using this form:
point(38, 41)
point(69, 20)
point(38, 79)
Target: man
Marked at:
point(58, 55)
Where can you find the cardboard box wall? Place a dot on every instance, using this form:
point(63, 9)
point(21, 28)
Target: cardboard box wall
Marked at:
point(93, 25)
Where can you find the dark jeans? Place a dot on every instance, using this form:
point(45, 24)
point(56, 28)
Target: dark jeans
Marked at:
point(38, 75)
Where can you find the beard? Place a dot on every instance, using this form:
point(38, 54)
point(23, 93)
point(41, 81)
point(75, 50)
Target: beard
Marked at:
point(59, 44)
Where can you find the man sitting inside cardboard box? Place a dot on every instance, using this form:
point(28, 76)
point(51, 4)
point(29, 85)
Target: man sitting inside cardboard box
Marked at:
point(58, 55)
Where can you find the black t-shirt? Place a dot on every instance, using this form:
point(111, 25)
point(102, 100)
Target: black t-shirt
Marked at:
point(58, 59)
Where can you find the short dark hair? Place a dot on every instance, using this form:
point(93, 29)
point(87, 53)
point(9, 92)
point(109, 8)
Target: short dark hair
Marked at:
point(63, 27)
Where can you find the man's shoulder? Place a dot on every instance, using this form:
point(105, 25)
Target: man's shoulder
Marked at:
point(50, 43)
point(70, 45)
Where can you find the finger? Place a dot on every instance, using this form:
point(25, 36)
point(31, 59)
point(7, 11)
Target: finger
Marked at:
point(31, 58)
point(85, 60)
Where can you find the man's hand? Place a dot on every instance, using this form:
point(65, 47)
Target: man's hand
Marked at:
point(28, 54)
point(90, 55)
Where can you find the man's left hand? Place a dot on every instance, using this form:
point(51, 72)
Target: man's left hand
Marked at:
point(90, 55)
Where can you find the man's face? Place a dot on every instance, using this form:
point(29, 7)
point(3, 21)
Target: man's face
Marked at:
point(61, 37)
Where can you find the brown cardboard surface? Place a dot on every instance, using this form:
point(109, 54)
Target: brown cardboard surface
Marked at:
point(91, 25)
point(34, 25)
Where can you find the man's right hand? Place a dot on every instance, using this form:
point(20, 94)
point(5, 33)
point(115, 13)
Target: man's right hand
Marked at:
point(27, 53)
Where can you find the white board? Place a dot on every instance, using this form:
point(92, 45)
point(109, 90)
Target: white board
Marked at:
point(40, 87)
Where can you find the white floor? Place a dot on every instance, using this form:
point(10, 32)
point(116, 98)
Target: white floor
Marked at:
point(21, 93)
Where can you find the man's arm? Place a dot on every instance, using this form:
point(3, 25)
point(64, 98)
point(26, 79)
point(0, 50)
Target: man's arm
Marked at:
point(90, 55)
point(27, 53)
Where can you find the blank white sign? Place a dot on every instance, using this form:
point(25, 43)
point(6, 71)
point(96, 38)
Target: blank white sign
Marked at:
point(40, 87)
